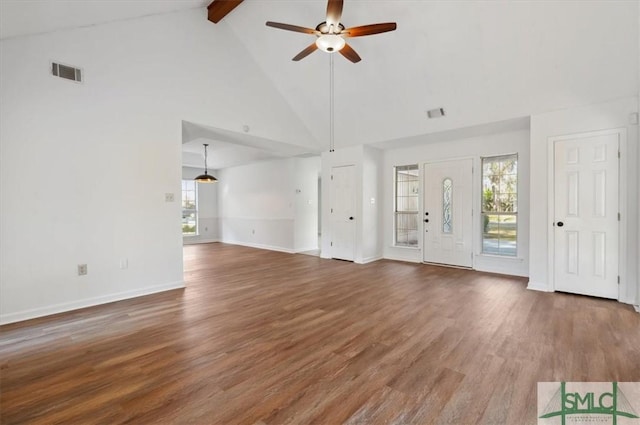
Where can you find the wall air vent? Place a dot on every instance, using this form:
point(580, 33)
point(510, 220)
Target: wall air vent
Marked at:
point(66, 72)
point(435, 113)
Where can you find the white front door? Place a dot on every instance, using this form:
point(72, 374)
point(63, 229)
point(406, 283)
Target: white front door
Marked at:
point(586, 215)
point(447, 213)
point(343, 212)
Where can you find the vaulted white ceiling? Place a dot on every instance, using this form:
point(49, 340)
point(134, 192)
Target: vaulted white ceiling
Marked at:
point(483, 62)
point(27, 17)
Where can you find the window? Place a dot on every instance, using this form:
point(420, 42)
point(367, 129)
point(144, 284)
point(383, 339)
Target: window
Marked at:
point(406, 205)
point(500, 205)
point(189, 208)
point(447, 196)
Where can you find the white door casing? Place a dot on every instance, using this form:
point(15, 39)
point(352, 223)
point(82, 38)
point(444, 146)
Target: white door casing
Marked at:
point(586, 214)
point(343, 212)
point(448, 236)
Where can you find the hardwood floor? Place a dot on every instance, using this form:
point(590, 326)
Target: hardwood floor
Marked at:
point(262, 337)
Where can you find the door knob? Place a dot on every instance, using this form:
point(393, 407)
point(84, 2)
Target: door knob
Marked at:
point(560, 224)
point(426, 213)
point(426, 220)
point(350, 218)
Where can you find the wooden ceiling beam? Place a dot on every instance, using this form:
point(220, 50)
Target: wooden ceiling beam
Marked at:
point(218, 9)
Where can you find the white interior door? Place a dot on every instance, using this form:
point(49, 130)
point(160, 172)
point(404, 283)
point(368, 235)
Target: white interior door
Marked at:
point(343, 209)
point(586, 215)
point(447, 213)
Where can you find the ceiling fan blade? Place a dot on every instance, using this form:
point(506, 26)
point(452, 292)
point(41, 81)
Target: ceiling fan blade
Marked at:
point(306, 52)
point(218, 9)
point(294, 28)
point(348, 52)
point(368, 29)
point(334, 12)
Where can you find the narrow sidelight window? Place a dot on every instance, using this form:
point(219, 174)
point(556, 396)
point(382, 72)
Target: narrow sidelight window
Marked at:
point(406, 205)
point(189, 208)
point(500, 205)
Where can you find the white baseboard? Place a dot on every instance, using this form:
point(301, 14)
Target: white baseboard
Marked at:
point(260, 246)
point(626, 300)
point(188, 241)
point(87, 302)
point(637, 308)
point(313, 248)
point(536, 286)
point(371, 259)
point(403, 259)
point(500, 270)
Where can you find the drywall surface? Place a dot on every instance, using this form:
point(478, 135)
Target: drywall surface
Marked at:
point(257, 204)
point(85, 167)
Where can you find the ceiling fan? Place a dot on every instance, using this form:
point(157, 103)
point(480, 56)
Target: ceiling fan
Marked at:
point(331, 33)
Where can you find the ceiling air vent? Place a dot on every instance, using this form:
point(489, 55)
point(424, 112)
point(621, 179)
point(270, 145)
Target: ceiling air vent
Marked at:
point(435, 113)
point(66, 72)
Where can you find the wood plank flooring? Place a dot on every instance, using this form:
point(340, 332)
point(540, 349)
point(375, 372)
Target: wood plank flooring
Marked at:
point(263, 338)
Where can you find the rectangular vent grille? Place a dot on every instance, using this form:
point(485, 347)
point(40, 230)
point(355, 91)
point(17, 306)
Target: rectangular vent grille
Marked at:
point(435, 113)
point(66, 72)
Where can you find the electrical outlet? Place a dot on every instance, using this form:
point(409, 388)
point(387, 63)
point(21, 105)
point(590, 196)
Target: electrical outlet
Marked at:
point(169, 197)
point(253, 231)
point(82, 269)
point(124, 263)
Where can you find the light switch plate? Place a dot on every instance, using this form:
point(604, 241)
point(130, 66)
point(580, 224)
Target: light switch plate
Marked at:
point(169, 197)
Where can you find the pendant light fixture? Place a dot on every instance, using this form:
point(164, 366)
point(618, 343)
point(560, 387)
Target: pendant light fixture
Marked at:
point(205, 178)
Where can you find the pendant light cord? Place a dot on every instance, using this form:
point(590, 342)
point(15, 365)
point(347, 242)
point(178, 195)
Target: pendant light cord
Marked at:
point(205, 158)
point(331, 107)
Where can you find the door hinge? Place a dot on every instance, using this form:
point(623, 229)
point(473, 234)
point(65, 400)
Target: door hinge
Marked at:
point(331, 210)
point(618, 154)
point(331, 243)
point(331, 176)
point(618, 280)
point(618, 216)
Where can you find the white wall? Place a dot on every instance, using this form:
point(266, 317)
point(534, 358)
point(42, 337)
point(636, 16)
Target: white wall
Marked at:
point(372, 174)
point(486, 145)
point(85, 167)
point(307, 171)
point(601, 116)
point(208, 225)
point(256, 204)
point(259, 206)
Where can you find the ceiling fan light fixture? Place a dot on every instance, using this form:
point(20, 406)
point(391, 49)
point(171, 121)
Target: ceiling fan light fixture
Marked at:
point(330, 43)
